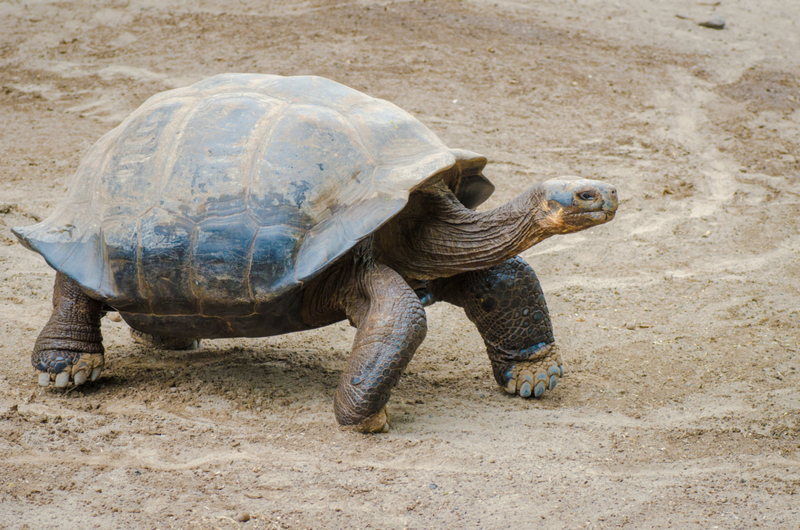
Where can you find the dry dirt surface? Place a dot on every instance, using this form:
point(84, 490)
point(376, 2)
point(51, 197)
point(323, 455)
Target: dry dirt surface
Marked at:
point(678, 321)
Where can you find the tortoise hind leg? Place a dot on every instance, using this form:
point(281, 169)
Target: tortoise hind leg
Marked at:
point(507, 306)
point(391, 325)
point(163, 342)
point(70, 346)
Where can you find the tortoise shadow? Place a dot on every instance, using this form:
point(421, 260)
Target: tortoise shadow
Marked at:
point(234, 372)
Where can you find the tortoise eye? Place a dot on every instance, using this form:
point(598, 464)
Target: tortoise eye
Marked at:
point(586, 195)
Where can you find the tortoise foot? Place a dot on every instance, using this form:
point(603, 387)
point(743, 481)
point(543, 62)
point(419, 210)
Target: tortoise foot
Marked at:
point(379, 423)
point(61, 372)
point(533, 378)
point(162, 342)
point(69, 348)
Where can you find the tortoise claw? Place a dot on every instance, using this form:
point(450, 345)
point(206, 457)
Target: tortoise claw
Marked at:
point(62, 380)
point(511, 385)
point(80, 377)
point(87, 368)
point(531, 379)
point(526, 386)
point(379, 423)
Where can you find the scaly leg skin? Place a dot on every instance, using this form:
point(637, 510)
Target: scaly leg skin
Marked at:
point(162, 342)
point(391, 325)
point(70, 347)
point(507, 305)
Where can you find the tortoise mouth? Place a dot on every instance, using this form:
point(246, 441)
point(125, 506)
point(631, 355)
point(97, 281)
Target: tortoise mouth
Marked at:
point(603, 215)
point(598, 216)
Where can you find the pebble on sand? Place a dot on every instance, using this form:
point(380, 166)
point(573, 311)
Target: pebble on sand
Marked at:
point(715, 22)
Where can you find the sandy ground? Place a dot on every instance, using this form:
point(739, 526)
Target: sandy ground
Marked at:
point(678, 320)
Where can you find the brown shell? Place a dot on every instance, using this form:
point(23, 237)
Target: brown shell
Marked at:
point(233, 191)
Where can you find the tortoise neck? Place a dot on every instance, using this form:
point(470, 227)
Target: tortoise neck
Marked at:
point(439, 237)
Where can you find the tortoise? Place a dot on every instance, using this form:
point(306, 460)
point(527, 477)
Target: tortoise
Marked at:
point(250, 205)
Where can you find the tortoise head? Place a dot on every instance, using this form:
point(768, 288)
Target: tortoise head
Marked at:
point(570, 204)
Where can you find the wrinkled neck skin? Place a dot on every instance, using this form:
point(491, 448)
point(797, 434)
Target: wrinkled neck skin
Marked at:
point(438, 237)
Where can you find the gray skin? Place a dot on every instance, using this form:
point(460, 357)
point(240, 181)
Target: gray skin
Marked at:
point(248, 205)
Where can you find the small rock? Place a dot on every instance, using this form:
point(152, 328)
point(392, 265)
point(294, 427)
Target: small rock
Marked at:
point(242, 517)
point(114, 317)
point(630, 325)
point(715, 22)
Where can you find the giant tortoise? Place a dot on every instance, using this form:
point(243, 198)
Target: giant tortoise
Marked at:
point(255, 205)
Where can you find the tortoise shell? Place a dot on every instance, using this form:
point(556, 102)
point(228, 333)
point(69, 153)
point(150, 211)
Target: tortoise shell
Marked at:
point(225, 196)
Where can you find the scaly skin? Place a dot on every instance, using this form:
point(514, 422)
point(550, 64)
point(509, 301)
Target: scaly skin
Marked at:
point(70, 347)
point(507, 306)
point(391, 325)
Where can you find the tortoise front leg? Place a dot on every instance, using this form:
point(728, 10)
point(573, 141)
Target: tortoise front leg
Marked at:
point(391, 325)
point(507, 305)
point(70, 347)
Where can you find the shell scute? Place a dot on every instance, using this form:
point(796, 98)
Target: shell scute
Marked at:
point(316, 91)
point(121, 241)
point(228, 83)
point(209, 170)
point(274, 249)
point(131, 167)
point(323, 243)
point(220, 265)
point(164, 262)
point(313, 157)
point(84, 255)
point(393, 136)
